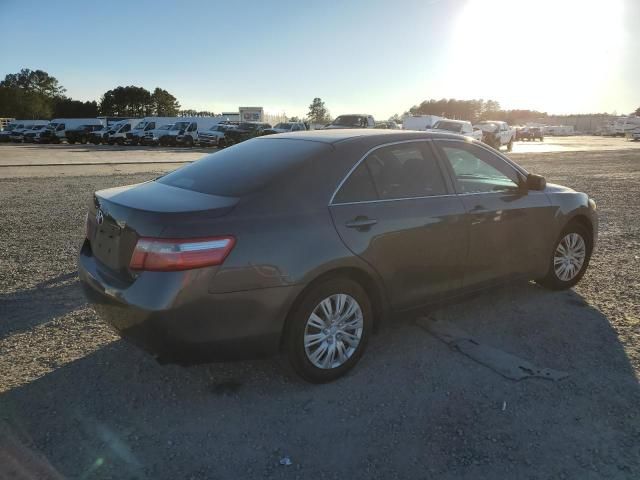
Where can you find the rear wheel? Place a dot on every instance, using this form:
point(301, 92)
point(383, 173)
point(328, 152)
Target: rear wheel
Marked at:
point(83, 140)
point(329, 329)
point(569, 259)
point(510, 145)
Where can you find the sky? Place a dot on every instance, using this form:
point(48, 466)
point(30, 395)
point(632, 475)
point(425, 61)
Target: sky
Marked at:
point(375, 56)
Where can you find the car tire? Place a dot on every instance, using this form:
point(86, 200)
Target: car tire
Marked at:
point(83, 140)
point(188, 142)
point(306, 318)
point(554, 280)
point(510, 145)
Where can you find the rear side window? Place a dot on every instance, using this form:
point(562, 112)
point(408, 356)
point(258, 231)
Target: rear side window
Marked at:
point(405, 170)
point(358, 187)
point(244, 168)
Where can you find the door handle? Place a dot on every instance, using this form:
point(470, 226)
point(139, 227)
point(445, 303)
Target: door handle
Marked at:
point(361, 223)
point(478, 209)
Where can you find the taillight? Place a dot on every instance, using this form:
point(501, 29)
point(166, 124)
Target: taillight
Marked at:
point(163, 255)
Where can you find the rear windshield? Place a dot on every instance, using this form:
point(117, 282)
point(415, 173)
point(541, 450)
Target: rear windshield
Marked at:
point(244, 168)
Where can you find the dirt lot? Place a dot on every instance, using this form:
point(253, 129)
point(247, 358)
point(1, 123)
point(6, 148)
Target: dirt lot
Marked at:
point(77, 402)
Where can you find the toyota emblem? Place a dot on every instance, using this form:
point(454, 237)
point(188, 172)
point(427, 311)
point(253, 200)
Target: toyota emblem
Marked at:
point(99, 217)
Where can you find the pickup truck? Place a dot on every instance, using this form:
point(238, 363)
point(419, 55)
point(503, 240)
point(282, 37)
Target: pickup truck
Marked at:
point(352, 121)
point(285, 127)
point(242, 132)
point(461, 127)
point(497, 134)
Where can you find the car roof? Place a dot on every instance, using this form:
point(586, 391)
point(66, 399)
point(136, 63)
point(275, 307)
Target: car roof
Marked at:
point(354, 134)
point(453, 121)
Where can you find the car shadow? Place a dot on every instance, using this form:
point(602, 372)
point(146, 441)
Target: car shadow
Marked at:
point(25, 309)
point(411, 406)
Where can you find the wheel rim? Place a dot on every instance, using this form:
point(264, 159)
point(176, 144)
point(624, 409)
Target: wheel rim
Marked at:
point(333, 331)
point(569, 257)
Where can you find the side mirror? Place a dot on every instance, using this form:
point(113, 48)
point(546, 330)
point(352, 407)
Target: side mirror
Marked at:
point(536, 182)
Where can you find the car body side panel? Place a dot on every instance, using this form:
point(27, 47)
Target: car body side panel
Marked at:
point(509, 235)
point(417, 246)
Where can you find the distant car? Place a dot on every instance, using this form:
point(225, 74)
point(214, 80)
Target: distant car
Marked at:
point(387, 125)
point(497, 134)
point(303, 242)
point(461, 127)
point(242, 132)
point(536, 133)
point(82, 133)
point(529, 133)
point(211, 137)
point(152, 137)
point(285, 127)
point(352, 121)
point(30, 135)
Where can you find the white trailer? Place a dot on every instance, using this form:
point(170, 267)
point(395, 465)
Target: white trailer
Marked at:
point(419, 122)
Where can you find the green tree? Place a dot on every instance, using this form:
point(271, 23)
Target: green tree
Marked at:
point(29, 94)
point(637, 112)
point(68, 108)
point(128, 101)
point(34, 81)
point(19, 103)
point(318, 113)
point(164, 104)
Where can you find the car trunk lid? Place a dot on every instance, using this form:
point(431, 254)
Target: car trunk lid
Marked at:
point(119, 216)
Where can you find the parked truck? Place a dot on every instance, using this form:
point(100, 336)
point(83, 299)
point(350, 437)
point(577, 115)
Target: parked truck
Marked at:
point(56, 131)
point(419, 122)
point(497, 134)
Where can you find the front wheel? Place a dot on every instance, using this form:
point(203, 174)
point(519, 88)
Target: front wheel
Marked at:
point(570, 258)
point(510, 145)
point(329, 329)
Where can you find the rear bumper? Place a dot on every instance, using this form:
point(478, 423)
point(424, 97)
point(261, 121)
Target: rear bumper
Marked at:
point(173, 316)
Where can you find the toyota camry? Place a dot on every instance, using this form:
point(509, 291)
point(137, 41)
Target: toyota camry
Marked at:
point(303, 242)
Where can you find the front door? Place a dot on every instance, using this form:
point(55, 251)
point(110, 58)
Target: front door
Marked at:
point(509, 227)
point(397, 212)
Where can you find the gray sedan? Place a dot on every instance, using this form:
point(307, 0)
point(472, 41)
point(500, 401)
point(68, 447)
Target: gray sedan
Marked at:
point(305, 241)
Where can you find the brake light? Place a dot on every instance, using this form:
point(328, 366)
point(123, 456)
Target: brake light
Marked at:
point(165, 255)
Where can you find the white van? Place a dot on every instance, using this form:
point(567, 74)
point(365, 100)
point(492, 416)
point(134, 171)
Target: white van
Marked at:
point(185, 130)
point(145, 125)
point(59, 126)
point(419, 122)
point(18, 128)
point(118, 132)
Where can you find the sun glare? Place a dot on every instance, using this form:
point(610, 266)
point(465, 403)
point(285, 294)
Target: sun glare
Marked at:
point(558, 55)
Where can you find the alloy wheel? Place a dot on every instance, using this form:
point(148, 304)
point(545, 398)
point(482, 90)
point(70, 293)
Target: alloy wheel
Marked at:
point(333, 331)
point(569, 256)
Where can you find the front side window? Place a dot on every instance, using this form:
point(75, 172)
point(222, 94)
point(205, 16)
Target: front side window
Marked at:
point(477, 170)
point(193, 127)
point(394, 172)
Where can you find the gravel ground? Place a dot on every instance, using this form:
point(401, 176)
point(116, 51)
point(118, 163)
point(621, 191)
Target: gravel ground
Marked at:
point(77, 402)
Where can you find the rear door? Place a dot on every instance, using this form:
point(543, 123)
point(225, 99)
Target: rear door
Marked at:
point(509, 227)
point(397, 211)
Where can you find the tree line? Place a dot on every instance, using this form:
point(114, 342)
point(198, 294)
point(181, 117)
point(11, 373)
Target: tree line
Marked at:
point(32, 94)
point(36, 94)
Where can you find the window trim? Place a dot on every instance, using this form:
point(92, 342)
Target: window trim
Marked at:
point(426, 142)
